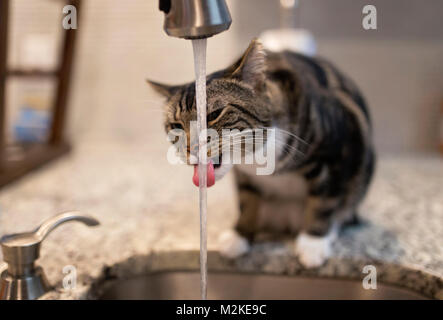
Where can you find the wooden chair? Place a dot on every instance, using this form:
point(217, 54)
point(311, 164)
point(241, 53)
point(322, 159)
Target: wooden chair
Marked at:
point(39, 153)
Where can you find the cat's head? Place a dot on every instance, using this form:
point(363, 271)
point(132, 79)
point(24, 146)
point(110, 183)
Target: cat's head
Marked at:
point(236, 99)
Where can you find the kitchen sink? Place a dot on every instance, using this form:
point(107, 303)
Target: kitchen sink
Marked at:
point(186, 285)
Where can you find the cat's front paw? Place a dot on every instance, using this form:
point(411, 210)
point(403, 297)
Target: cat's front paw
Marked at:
point(232, 245)
point(312, 251)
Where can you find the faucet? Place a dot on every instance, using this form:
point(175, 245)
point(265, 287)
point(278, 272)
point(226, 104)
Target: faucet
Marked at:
point(195, 19)
point(22, 280)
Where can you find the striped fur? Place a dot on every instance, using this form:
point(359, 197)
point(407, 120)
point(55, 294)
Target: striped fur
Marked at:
point(324, 123)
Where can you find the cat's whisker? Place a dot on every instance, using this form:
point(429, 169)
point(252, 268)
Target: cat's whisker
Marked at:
point(249, 138)
point(247, 131)
point(260, 140)
point(279, 142)
point(287, 133)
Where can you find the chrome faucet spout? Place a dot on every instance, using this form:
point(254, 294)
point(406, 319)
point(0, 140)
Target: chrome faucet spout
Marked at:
point(195, 19)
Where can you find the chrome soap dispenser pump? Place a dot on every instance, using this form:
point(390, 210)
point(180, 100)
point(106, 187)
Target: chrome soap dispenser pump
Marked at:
point(22, 279)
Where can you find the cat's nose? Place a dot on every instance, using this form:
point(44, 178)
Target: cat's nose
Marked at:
point(192, 159)
point(194, 149)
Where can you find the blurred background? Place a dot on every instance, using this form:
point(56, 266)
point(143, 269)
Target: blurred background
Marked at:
point(399, 67)
point(114, 121)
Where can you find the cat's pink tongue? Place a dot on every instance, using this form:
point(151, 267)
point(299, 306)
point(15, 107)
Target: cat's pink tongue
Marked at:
point(210, 172)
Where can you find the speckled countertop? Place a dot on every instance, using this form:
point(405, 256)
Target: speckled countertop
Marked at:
point(149, 220)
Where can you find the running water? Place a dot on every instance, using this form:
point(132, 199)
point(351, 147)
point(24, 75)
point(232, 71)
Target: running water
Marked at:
point(199, 47)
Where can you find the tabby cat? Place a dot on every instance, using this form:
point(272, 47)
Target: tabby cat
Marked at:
point(324, 153)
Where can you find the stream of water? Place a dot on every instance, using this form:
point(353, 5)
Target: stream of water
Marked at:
point(199, 47)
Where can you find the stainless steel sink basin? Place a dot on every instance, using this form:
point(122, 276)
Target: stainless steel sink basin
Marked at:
point(185, 285)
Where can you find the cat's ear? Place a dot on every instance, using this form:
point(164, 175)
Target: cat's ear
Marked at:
point(164, 89)
point(251, 67)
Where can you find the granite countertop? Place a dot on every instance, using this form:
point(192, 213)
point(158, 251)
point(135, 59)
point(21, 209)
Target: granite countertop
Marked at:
point(149, 221)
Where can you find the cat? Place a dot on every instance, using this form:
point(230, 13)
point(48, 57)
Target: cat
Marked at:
point(324, 152)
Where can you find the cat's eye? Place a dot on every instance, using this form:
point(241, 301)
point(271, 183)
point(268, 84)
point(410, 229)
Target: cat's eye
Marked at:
point(214, 115)
point(176, 125)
